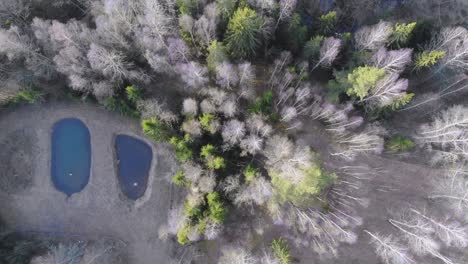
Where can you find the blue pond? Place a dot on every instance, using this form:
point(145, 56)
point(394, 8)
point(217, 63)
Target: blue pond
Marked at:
point(134, 162)
point(71, 155)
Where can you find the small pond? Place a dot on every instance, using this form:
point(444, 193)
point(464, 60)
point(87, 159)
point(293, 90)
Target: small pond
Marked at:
point(71, 155)
point(134, 162)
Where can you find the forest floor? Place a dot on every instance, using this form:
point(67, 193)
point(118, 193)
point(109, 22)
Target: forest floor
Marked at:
point(393, 183)
point(100, 210)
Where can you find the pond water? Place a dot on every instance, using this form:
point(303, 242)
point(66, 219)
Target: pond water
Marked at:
point(71, 155)
point(134, 162)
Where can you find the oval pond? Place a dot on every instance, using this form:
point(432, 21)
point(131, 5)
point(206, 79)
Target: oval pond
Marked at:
point(71, 155)
point(134, 162)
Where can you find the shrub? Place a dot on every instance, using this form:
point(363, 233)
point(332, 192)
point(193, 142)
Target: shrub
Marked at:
point(362, 79)
point(182, 234)
point(217, 53)
point(206, 122)
point(250, 172)
point(313, 182)
point(427, 59)
point(399, 144)
point(243, 33)
point(217, 210)
point(402, 33)
point(28, 96)
point(281, 249)
point(154, 129)
point(226, 7)
point(401, 101)
point(121, 106)
point(182, 149)
point(328, 23)
point(133, 94)
point(193, 211)
point(264, 104)
point(212, 161)
point(297, 33)
point(180, 180)
point(312, 48)
point(337, 86)
point(187, 7)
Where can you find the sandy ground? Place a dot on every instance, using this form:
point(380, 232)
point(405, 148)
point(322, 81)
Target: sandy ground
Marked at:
point(100, 210)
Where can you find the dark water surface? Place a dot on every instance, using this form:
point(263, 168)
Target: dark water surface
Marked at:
point(134, 162)
point(71, 155)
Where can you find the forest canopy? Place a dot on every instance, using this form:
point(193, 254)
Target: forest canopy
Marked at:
point(269, 106)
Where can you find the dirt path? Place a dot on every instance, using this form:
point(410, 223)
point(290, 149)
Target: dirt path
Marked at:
point(100, 209)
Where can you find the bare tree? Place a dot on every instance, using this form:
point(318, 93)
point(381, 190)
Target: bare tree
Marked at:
point(392, 61)
point(389, 249)
point(205, 184)
point(177, 50)
point(231, 185)
point(265, 6)
point(192, 171)
point(338, 120)
point(418, 234)
point(234, 255)
point(187, 24)
point(352, 144)
point(447, 134)
point(103, 252)
point(256, 124)
point(323, 233)
point(269, 258)
point(452, 189)
point(386, 91)
point(452, 86)
point(154, 108)
point(156, 18)
point(226, 75)
point(14, 10)
point(190, 107)
point(286, 8)
point(328, 52)
point(192, 127)
point(193, 74)
point(258, 192)
point(246, 74)
point(251, 144)
point(110, 63)
point(288, 114)
point(232, 132)
point(215, 95)
point(212, 230)
point(205, 29)
point(278, 148)
point(205, 26)
point(229, 108)
point(286, 159)
point(451, 233)
point(116, 21)
point(373, 37)
point(71, 253)
point(103, 90)
point(159, 62)
point(207, 106)
point(17, 46)
point(454, 41)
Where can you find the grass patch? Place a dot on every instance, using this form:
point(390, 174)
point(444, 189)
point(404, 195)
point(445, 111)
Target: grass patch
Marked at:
point(281, 249)
point(399, 144)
